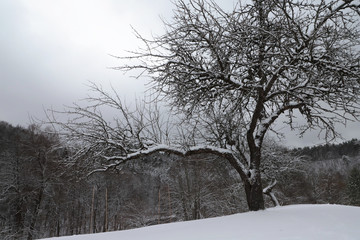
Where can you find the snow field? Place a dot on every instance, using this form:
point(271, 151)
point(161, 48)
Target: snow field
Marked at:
point(294, 222)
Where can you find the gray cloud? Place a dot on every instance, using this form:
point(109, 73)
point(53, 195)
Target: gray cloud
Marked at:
point(50, 49)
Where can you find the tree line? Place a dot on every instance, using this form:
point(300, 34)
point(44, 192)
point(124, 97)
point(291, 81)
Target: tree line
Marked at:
point(331, 151)
point(45, 193)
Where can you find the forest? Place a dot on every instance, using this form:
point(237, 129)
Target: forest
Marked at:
point(45, 193)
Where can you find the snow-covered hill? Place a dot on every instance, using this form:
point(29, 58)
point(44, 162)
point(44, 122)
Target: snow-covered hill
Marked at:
point(305, 222)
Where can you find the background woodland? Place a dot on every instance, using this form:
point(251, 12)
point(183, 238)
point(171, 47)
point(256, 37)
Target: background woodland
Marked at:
point(45, 193)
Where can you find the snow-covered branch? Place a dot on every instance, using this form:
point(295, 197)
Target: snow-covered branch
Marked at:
point(268, 191)
point(192, 151)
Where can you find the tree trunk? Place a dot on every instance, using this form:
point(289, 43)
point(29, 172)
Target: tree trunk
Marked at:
point(58, 228)
point(106, 211)
point(254, 197)
point(254, 193)
point(91, 230)
point(35, 212)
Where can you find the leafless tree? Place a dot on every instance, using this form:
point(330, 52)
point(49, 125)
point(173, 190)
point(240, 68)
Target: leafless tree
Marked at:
point(258, 62)
point(233, 74)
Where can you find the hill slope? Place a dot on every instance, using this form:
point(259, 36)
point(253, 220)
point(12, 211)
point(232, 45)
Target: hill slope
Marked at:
point(310, 222)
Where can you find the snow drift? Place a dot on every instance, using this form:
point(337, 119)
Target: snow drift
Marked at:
point(308, 222)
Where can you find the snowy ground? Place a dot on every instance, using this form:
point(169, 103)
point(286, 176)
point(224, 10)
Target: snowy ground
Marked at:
point(305, 222)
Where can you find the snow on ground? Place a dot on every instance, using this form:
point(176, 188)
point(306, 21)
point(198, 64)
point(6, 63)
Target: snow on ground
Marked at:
point(295, 222)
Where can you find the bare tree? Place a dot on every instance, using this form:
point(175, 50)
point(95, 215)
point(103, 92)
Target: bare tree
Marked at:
point(258, 62)
point(232, 75)
point(30, 169)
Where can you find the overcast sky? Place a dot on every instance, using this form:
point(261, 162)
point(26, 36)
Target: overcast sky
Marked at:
point(50, 49)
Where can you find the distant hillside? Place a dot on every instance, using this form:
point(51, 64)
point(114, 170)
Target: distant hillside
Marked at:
point(330, 151)
point(46, 193)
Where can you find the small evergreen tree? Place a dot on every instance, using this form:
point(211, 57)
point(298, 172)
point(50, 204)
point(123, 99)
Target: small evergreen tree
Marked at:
point(353, 187)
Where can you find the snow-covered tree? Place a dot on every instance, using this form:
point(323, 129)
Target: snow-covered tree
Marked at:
point(233, 74)
point(30, 168)
point(258, 62)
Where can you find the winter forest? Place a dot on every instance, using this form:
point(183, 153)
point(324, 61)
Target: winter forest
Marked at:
point(44, 193)
point(205, 140)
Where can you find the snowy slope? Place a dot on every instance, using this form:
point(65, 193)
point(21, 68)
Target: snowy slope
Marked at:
point(306, 222)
